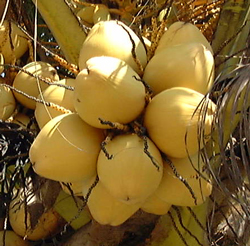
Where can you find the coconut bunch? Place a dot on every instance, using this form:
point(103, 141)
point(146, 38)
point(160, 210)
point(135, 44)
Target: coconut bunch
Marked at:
point(131, 135)
point(13, 45)
point(30, 81)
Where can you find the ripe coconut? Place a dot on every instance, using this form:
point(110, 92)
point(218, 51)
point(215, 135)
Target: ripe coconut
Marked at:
point(58, 95)
point(24, 221)
point(7, 102)
point(130, 175)
point(24, 121)
point(182, 33)
point(86, 14)
point(31, 85)
point(107, 210)
point(101, 13)
point(174, 120)
point(73, 188)
point(113, 38)
point(188, 65)
point(66, 149)
point(172, 190)
point(108, 89)
point(12, 239)
point(147, 42)
point(80, 188)
point(155, 205)
point(14, 42)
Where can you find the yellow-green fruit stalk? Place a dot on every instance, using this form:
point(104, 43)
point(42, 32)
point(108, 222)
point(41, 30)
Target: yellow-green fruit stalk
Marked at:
point(184, 182)
point(106, 209)
point(10, 238)
point(129, 174)
point(108, 89)
point(182, 33)
point(176, 117)
point(188, 65)
point(13, 42)
point(31, 85)
point(7, 102)
point(58, 95)
point(113, 38)
point(66, 149)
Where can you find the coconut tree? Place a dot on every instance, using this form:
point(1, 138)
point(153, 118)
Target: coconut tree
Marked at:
point(54, 32)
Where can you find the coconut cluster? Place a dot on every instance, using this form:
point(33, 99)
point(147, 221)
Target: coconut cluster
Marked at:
point(13, 45)
point(119, 144)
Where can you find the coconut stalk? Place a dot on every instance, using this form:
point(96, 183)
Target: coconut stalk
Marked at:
point(64, 26)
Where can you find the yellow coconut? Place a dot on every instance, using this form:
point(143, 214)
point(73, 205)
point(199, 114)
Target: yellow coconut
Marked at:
point(108, 89)
point(10, 238)
point(107, 210)
point(17, 46)
point(87, 184)
point(32, 86)
point(174, 121)
point(112, 38)
point(74, 188)
point(24, 121)
point(26, 224)
point(58, 95)
point(155, 205)
point(130, 175)
point(80, 188)
point(147, 42)
point(86, 14)
point(182, 33)
point(7, 102)
point(188, 65)
point(101, 13)
point(66, 149)
point(172, 190)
